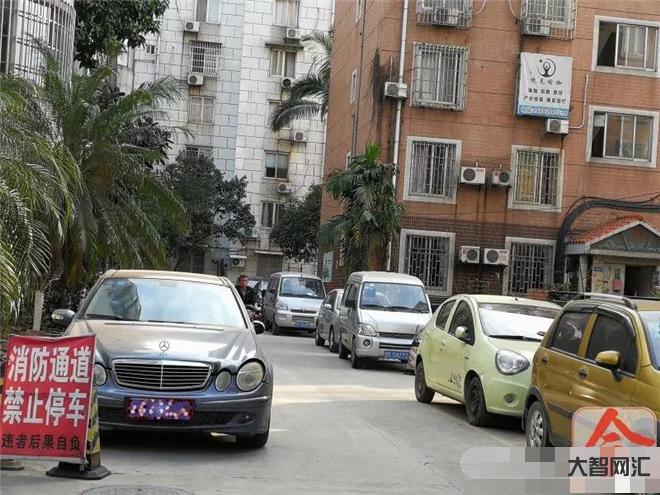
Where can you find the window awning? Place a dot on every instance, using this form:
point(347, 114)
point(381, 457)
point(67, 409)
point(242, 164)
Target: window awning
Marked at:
point(291, 47)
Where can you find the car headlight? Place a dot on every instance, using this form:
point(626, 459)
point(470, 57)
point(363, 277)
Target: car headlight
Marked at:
point(223, 381)
point(100, 375)
point(250, 376)
point(419, 334)
point(366, 330)
point(281, 306)
point(510, 363)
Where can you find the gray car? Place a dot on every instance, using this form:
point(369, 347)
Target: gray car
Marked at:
point(175, 351)
point(328, 320)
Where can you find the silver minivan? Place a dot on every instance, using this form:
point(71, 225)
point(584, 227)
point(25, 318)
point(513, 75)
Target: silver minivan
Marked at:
point(292, 300)
point(380, 314)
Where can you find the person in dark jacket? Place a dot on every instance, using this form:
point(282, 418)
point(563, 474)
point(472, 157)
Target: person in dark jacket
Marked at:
point(247, 293)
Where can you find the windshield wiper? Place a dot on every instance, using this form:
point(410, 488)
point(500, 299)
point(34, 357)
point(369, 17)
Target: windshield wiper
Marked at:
point(376, 306)
point(98, 316)
point(515, 337)
point(405, 308)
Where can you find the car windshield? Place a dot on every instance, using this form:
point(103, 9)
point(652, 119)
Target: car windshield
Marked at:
point(516, 321)
point(651, 321)
point(302, 287)
point(165, 301)
point(383, 296)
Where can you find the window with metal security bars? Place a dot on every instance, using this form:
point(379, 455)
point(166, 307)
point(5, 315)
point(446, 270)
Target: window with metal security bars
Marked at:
point(286, 13)
point(440, 76)
point(530, 267)
point(450, 13)
point(427, 257)
point(550, 18)
point(432, 169)
point(537, 178)
point(205, 58)
point(267, 264)
point(196, 151)
point(628, 46)
point(201, 109)
point(622, 136)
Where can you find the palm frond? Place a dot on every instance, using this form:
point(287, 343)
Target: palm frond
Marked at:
point(292, 110)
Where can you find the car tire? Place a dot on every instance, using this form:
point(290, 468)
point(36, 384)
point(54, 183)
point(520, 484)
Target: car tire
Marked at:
point(343, 350)
point(255, 441)
point(275, 328)
point(318, 340)
point(356, 362)
point(422, 392)
point(475, 404)
point(332, 345)
point(536, 426)
point(266, 324)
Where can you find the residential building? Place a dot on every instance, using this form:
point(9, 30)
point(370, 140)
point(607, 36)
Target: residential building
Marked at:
point(25, 23)
point(234, 61)
point(503, 117)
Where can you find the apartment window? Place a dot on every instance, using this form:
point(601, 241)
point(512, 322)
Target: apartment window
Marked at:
point(530, 265)
point(196, 151)
point(431, 168)
point(440, 76)
point(205, 58)
point(623, 136)
point(150, 49)
point(270, 212)
point(554, 11)
point(537, 178)
point(282, 63)
point(359, 7)
point(628, 46)
point(277, 165)
point(286, 13)
point(201, 109)
point(208, 11)
point(353, 85)
point(429, 257)
point(273, 105)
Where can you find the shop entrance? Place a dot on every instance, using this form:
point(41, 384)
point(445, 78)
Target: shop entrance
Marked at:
point(639, 280)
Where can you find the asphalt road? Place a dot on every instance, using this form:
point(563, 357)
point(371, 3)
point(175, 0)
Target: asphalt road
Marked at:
point(334, 430)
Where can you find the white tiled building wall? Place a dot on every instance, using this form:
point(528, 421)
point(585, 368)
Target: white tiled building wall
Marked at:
point(242, 89)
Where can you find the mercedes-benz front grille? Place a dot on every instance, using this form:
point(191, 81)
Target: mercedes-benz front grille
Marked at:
point(161, 375)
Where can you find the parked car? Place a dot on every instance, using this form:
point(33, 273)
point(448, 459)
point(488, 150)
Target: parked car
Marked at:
point(379, 316)
point(477, 349)
point(175, 351)
point(328, 320)
point(602, 351)
point(292, 301)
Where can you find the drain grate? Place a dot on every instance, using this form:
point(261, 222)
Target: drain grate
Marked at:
point(135, 490)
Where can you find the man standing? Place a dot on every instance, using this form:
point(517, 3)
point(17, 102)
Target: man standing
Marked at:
point(247, 293)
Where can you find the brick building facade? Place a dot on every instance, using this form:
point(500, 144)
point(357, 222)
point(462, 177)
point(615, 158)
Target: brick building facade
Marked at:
point(461, 68)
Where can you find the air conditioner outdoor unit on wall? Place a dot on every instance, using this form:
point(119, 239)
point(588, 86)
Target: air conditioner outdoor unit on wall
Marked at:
point(292, 34)
point(501, 177)
point(284, 188)
point(287, 82)
point(191, 27)
point(473, 175)
point(556, 126)
point(444, 16)
point(298, 137)
point(195, 80)
point(536, 26)
point(470, 254)
point(396, 90)
point(237, 262)
point(496, 256)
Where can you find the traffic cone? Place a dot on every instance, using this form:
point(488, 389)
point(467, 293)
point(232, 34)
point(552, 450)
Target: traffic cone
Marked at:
point(92, 469)
point(7, 464)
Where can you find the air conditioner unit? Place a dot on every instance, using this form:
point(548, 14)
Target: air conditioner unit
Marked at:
point(444, 16)
point(195, 80)
point(473, 175)
point(496, 256)
point(501, 177)
point(470, 254)
point(237, 261)
point(292, 34)
point(284, 188)
point(556, 126)
point(191, 27)
point(298, 137)
point(396, 90)
point(287, 82)
point(536, 26)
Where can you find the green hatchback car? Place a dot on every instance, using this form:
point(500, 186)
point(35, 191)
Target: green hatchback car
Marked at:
point(477, 349)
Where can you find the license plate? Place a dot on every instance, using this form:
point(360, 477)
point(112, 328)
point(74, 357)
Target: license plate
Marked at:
point(303, 324)
point(160, 409)
point(396, 355)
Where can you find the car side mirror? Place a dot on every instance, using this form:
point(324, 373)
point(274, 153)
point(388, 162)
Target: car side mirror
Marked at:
point(609, 359)
point(462, 334)
point(327, 306)
point(264, 292)
point(62, 317)
point(259, 327)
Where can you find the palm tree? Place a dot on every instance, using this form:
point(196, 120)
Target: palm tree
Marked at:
point(309, 95)
point(371, 216)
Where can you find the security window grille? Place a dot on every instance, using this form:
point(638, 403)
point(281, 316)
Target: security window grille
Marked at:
point(201, 109)
point(198, 262)
point(530, 267)
point(622, 137)
point(196, 151)
point(452, 13)
point(537, 178)
point(554, 17)
point(432, 169)
point(205, 58)
point(427, 258)
point(282, 63)
point(267, 264)
point(277, 165)
point(628, 46)
point(440, 76)
point(270, 212)
point(208, 11)
point(286, 13)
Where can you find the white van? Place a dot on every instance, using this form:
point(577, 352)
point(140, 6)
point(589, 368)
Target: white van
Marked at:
point(381, 313)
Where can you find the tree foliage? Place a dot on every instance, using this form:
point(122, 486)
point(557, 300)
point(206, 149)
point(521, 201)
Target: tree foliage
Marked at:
point(215, 206)
point(297, 229)
point(371, 215)
point(100, 24)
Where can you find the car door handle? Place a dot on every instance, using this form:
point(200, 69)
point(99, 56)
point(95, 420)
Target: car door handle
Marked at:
point(582, 373)
point(544, 360)
point(467, 356)
point(442, 343)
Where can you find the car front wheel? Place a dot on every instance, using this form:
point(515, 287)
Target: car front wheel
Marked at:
point(318, 340)
point(334, 347)
point(422, 392)
point(343, 350)
point(275, 328)
point(256, 441)
point(536, 426)
point(475, 404)
point(356, 362)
